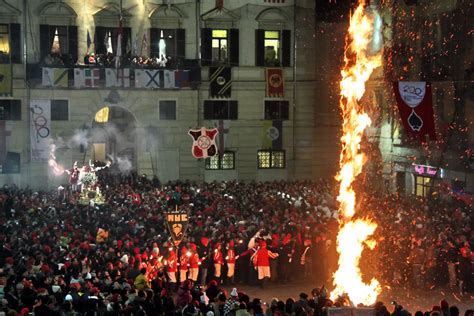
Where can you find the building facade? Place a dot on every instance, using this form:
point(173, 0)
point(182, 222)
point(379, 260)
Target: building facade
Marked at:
point(174, 56)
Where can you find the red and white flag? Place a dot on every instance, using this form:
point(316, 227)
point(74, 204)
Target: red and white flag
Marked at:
point(275, 82)
point(204, 142)
point(415, 105)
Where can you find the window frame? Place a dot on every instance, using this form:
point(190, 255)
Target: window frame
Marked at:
point(8, 34)
point(68, 112)
point(278, 60)
point(229, 110)
point(424, 186)
point(271, 153)
point(220, 39)
point(220, 161)
point(175, 110)
point(9, 118)
point(279, 109)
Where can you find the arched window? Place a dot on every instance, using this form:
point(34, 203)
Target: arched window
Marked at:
point(58, 34)
point(220, 38)
point(272, 39)
point(107, 22)
point(10, 34)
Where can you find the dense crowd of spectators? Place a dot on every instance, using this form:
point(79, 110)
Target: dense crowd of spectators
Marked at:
point(117, 258)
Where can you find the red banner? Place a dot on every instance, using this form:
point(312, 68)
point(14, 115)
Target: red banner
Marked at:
point(275, 83)
point(415, 105)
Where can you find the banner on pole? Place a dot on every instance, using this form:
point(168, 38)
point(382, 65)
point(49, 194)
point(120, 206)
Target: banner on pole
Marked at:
point(177, 223)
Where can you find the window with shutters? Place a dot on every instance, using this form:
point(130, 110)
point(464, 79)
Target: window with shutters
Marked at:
point(10, 43)
point(58, 45)
point(168, 44)
point(220, 110)
point(10, 110)
point(219, 47)
point(277, 110)
point(271, 159)
point(167, 109)
point(226, 162)
point(11, 163)
point(105, 40)
point(59, 110)
point(273, 48)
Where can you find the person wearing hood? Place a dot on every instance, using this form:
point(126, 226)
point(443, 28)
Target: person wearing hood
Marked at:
point(232, 303)
point(261, 260)
point(184, 296)
point(230, 258)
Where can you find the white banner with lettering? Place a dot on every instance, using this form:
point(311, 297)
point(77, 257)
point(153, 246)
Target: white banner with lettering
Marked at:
point(40, 129)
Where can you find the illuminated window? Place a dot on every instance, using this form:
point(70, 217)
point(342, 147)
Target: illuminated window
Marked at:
point(422, 186)
point(226, 162)
point(272, 48)
point(4, 43)
point(219, 45)
point(271, 159)
point(102, 116)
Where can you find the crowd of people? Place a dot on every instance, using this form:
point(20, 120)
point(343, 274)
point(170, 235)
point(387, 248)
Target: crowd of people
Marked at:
point(59, 256)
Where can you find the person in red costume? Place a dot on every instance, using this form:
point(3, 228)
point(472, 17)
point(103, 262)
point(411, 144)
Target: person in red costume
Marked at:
point(183, 264)
point(230, 258)
point(172, 267)
point(261, 260)
point(74, 177)
point(218, 260)
point(193, 263)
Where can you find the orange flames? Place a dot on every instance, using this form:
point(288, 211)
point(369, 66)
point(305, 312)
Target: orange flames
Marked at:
point(354, 234)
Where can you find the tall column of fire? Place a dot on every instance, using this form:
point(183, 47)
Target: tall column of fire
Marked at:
point(354, 233)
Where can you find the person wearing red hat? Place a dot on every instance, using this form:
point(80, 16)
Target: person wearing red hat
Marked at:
point(230, 258)
point(193, 263)
point(218, 260)
point(261, 260)
point(183, 264)
point(172, 267)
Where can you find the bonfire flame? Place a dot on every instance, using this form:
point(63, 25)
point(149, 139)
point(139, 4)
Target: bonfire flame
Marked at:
point(354, 234)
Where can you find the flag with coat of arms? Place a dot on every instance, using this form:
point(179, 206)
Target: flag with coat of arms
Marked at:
point(272, 134)
point(117, 77)
point(89, 77)
point(147, 78)
point(55, 77)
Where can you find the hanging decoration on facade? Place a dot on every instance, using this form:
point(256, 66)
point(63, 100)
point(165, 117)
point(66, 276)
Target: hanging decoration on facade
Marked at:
point(220, 82)
point(415, 105)
point(40, 130)
point(204, 142)
point(275, 82)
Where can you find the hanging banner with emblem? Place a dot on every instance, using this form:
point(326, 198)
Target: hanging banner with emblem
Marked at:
point(220, 85)
point(204, 142)
point(40, 131)
point(177, 223)
point(275, 83)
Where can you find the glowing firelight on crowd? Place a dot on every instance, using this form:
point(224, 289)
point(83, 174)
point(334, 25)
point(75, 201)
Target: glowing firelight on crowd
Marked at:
point(354, 233)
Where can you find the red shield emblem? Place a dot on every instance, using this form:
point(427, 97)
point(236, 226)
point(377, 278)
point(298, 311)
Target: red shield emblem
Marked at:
point(204, 142)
